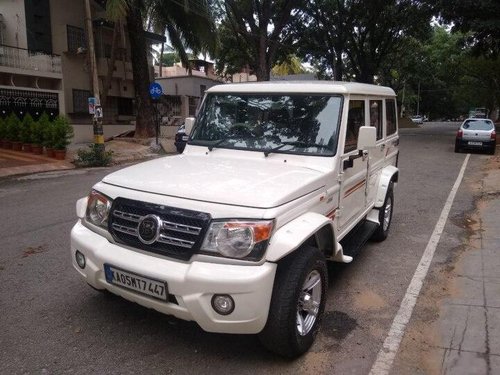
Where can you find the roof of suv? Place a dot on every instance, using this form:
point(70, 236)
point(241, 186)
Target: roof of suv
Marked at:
point(324, 87)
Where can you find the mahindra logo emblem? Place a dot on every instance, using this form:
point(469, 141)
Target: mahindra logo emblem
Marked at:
point(148, 229)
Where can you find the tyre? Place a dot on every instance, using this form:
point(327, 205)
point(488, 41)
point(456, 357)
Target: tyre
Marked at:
point(457, 147)
point(385, 216)
point(492, 150)
point(297, 303)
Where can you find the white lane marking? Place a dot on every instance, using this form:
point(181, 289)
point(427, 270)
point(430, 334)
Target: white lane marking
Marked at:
point(387, 353)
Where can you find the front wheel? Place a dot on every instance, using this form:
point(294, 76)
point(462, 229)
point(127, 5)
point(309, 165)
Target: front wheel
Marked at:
point(297, 303)
point(385, 216)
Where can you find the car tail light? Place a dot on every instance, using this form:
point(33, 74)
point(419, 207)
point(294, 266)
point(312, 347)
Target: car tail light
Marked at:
point(493, 135)
point(460, 133)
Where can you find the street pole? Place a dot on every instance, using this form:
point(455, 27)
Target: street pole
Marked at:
point(96, 120)
point(418, 98)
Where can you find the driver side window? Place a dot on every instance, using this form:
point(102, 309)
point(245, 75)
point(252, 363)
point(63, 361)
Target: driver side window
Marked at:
point(355, 119)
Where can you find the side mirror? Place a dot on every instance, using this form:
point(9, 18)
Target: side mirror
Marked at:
point(188, 124)
point(367, 137)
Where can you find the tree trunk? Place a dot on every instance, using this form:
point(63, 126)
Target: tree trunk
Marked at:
point(145, 121)
point(111, 65)
point(263, 68)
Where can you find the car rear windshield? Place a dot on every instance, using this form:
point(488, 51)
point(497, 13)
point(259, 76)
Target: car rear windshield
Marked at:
point(478, 125)
point(291, 123)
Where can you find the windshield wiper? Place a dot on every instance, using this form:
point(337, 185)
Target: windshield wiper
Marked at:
point(295, 143)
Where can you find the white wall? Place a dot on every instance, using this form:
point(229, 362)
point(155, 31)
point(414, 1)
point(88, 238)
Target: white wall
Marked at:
point(14, 18)
point(85, 133)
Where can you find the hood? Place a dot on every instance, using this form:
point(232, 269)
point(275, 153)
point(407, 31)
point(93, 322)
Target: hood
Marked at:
point(261, 183)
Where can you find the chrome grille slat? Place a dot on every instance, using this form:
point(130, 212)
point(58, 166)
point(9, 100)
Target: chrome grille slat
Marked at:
point(127, 216)
point(181, 228)
point(125, 229)
point(175, 241)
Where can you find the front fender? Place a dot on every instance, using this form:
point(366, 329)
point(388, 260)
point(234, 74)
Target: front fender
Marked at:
point(293, 234)
point(389, 173)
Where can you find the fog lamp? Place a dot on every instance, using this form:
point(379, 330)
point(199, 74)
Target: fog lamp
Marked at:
point(80, 259)
point(223, 304)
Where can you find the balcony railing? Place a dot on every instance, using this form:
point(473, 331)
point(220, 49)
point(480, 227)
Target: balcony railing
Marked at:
point(21, 58)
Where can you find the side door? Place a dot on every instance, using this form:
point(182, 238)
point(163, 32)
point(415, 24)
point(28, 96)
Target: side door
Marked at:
point(377, 155)
point(353, 166)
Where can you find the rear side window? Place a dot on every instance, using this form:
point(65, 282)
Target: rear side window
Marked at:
point(478, 125)
point(390, 115)
point(376, 116)
point(355, 119)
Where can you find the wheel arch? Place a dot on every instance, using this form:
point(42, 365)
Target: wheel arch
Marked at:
point(389, 174)
point(311, 229)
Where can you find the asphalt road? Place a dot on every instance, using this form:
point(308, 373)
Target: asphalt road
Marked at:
point(52, 322)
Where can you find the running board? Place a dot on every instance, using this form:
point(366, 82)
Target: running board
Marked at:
point(357, 237)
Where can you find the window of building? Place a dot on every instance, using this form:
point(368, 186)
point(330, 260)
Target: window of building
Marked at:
point(193, 105)
point(355, 119)
point(376, 117)
point(76, 38)
point(125, 107)
point(80, 101)
point(390, 115)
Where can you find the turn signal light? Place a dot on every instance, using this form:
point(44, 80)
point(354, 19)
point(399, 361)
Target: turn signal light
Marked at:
point(460, 133)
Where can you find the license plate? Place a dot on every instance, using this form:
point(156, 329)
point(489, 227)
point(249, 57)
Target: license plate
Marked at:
point(140, 284)
point(185, 137)
point(475, 143)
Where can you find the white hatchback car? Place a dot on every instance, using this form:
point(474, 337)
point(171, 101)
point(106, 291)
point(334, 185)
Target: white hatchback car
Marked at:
point(476, 133)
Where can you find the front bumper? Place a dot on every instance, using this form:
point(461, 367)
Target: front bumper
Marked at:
point(191, 283)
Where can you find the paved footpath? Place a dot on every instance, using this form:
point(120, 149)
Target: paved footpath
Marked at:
point(456, 326)
point(17, 162)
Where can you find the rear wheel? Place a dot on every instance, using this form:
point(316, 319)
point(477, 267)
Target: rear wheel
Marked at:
point(457, 147)
point(297, 303)
point(385, 216)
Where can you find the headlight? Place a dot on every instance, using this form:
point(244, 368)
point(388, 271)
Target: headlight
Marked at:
point(238, 239)
point(98, 207)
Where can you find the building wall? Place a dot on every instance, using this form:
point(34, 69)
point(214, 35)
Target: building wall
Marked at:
point(14, 18)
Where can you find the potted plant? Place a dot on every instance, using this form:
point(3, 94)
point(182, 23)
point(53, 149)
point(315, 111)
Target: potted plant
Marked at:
point(13, 128)
point(37, 133)
point(48, 139)
point(63, 132)
point(3, 132)
point(25, 132)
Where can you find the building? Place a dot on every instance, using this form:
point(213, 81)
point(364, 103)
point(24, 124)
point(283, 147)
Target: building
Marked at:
point(44, 60)
point(183, 89)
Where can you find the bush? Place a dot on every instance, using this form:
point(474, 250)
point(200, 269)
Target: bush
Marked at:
point(41, 129)
point(25, 132)
point(3, 128)
point(62, 133)
point(93, 157)
point(48, 135)
point(13, 127)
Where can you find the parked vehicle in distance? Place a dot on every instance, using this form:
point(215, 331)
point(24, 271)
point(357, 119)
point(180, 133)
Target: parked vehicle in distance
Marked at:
point(417, 119)
point(277, 178)
point(181, 139)
point(478, 134)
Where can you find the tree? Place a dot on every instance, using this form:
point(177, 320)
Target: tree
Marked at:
point(187, 23)
point(290, 65)
point(253, 30)
point(352, 38)
point(479, 19)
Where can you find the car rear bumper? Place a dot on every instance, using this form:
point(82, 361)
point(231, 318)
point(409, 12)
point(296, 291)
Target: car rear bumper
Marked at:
point(467, 144)
point(190, 285)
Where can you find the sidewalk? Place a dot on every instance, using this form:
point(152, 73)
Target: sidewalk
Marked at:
point(455, 327)
point(18, 163)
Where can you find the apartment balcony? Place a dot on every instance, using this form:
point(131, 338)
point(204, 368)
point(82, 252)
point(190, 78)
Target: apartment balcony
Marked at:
point(24, 62)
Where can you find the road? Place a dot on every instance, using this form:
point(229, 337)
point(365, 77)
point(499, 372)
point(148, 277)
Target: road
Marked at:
point(52, 322)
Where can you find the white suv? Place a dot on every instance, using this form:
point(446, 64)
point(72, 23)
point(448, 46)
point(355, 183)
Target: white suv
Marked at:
point(276, 179)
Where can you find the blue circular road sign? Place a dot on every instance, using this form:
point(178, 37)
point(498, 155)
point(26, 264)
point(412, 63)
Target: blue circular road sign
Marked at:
point(155, 90)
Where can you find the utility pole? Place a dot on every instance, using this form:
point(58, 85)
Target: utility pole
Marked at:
point(97, 117)
point(418, 98)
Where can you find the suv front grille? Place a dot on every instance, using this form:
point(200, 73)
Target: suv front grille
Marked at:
point(179, 235)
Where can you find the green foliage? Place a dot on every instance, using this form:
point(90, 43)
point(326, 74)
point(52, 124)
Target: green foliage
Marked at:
point(62, 133)
point(3, 128)
point(25, 133)
point(169, 59)
point(48, 135)
point(13, 127)
point(290, 65)
point(93, 157)
point(36, 132)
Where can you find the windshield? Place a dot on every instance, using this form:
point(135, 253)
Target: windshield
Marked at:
point(478, 125)
point(299, 124)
